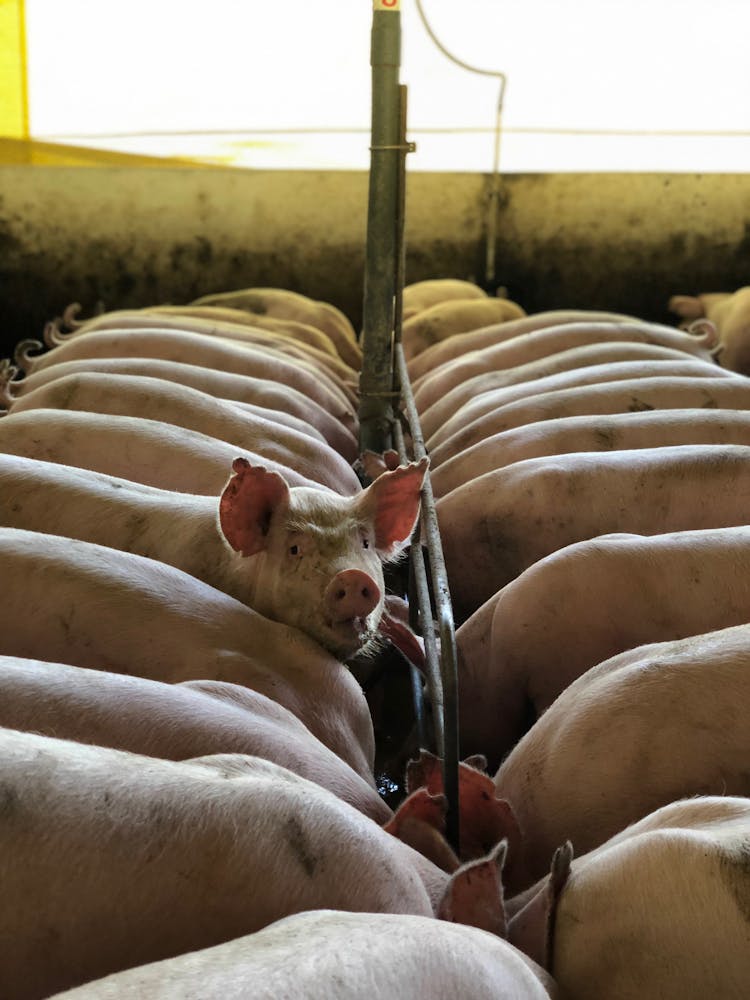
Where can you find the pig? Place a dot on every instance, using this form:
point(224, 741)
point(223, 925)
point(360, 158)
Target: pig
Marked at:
point(659, 910)
point(420, 295)
point(549, 340)
point(485, 403)
point(572, 360)
point(204, 717)
point(488, 336)
point(196, 349)
point(282, 304)
point(260, 394)
point(730, 312)
point(593, 432)
point(457, 316)
point(108, 610)
point(113, 860)
point(616, 729)
point(627, 396)
point(278, 343)
point(156, 399)
point(388, 957)
point(496, 526)
point(210, 320)
point(146, 451)
point(582, 605)
point(305, 557)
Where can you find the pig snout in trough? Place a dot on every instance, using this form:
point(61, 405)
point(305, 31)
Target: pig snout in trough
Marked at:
point(317, 555)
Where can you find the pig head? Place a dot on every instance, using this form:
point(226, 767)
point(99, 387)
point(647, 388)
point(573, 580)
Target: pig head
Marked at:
point(314, 559)
point(730, 312)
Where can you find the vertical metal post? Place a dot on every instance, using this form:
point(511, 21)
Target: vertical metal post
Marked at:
point(376, 379)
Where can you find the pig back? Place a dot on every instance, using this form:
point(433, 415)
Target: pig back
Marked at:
point(496, 526)
point(110, 610)
point(188, 853)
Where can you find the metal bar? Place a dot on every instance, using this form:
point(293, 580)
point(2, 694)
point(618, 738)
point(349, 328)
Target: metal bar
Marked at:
point(376, 408)
point(443, 613)
point(423, 624)
point(400, 272)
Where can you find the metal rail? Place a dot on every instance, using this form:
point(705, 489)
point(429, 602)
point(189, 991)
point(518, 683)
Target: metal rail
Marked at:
point(442, 673)
point(384, 382)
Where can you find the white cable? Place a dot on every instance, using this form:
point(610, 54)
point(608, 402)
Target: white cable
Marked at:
point(494, 194)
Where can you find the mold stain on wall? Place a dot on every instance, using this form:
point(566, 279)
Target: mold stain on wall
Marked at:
point(132, 237)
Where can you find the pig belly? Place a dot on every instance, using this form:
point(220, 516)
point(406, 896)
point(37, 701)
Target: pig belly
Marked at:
point(163, 857)
point(496, 526)
point(156, 399)
point(540, 343)
point(618, 432)
point(146, 451)
point(109, 610)
point(207, 352)
point(301, 956)
point(262, 393)
point(488, 402)
point(583, 604)
point(616, 728)
point(205, 717)
point(497, 333)
point(630, 396)
point(437, 414)
point(687, 860)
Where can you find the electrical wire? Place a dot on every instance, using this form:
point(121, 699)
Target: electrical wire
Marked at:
point(494, 193)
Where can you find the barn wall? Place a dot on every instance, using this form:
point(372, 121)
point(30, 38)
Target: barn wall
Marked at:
point(129, 237)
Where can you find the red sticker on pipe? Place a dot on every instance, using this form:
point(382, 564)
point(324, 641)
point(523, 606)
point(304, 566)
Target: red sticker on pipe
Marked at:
point(386, 4)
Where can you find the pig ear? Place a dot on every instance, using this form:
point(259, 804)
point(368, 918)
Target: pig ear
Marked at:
point(532, 929)
point(424, 772)
point(374, 464)
point(474, 894)
point(686, 306)
point(485, 818)
point(391, 502)
point(420, 822)
point(394, 625)
point(247, 504)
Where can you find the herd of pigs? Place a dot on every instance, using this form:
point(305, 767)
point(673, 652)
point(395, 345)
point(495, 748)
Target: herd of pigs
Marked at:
point(191, 565)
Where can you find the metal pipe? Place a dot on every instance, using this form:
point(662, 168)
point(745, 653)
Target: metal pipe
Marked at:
point(376, 409)
point(443, 613)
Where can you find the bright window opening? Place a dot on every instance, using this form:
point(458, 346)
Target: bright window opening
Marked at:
point(628, 85)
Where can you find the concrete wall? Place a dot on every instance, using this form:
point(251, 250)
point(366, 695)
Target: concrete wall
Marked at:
point(130, 237)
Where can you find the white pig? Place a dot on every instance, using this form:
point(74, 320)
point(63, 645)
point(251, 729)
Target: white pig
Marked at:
point(339, 956)
point(307, 557)
point(660, 910)
point(638, 731)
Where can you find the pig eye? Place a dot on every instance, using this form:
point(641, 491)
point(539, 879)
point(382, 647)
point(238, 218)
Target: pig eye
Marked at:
point(294, 550)
point(365, 543)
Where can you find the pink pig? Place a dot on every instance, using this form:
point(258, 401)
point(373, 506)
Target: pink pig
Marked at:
point(305, 556)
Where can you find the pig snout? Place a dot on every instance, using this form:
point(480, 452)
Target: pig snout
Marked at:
point(351, 594)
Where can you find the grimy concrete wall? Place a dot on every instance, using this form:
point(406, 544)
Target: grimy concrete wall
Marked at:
point(132, 237)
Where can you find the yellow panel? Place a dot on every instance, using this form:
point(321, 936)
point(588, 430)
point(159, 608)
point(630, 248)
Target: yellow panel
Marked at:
point(49, 154)
point(14, 105)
